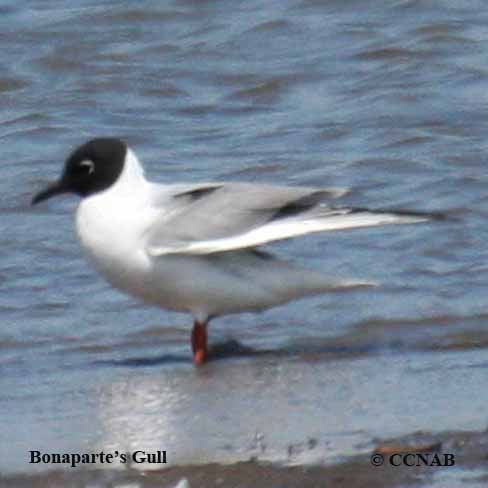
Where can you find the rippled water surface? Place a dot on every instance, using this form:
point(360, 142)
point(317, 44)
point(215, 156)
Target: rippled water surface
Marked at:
point(388, 98)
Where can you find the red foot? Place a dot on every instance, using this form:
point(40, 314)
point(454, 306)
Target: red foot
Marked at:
point(199, 343)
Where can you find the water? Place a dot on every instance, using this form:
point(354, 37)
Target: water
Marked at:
point(388, 98)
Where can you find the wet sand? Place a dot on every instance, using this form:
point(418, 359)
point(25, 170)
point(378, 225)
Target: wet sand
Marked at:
point(470, 451)
point(325, 410)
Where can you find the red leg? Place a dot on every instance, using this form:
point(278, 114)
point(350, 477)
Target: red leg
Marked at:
point(199, 342)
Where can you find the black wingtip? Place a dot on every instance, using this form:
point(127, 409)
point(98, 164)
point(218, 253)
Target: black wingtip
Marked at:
point(438, 216)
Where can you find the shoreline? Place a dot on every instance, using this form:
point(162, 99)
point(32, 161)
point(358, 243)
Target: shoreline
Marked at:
point(468, 449)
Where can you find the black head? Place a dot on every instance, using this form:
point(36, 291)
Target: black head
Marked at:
point(91, 168)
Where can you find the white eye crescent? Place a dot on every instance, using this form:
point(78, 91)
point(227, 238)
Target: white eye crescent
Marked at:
point(89, 165)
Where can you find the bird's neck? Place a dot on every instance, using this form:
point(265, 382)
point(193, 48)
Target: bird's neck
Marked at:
point(131, 181)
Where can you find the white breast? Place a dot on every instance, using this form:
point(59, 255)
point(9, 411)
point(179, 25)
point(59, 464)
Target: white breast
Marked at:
point(111, 225)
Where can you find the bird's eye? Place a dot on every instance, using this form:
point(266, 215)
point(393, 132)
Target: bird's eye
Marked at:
point(87, 167)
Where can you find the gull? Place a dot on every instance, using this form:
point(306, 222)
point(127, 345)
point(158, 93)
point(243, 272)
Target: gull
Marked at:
point(195, 247)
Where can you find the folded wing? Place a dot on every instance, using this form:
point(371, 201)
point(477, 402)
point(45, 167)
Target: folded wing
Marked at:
point(218, 217)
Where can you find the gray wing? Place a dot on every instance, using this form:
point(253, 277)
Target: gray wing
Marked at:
point(217, 217)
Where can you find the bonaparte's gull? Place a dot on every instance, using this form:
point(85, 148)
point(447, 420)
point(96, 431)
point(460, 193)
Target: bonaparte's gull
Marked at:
point(195, 247)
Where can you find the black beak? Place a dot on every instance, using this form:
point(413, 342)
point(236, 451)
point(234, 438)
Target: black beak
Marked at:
point(53, 189)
